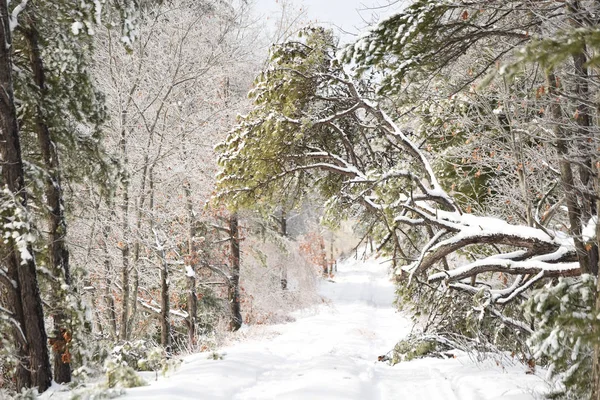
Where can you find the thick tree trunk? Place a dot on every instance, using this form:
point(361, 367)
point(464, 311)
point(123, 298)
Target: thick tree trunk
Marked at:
point(21, 270)
point(57, 226)
point(22, 375)
point(234, 284)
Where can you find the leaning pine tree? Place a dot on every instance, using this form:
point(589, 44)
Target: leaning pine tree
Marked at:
point(314, 124)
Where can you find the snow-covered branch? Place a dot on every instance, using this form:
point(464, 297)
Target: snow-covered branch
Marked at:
point(14, 15)
point(157, 311)
point(492, 264)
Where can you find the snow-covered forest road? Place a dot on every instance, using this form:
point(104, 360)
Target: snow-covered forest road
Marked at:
point(331, 353)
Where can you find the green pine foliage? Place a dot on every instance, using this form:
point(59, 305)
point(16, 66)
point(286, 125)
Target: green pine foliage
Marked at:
point(263, 147)
point(69, 104)
point(415, 347)
point(566, 333)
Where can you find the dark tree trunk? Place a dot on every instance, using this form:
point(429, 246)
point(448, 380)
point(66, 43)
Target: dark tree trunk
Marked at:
point(21, 270)
point(566, 176)
point(234, 284)
point(123, 332)
point(165, 323)
point(284, 233)
point(22, 375)
point(323, 256)
point(57, 226)
point(584, 120)
point(596, 356)
point(137, 246)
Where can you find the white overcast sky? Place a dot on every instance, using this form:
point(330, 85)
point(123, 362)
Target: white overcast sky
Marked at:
point(349, 15)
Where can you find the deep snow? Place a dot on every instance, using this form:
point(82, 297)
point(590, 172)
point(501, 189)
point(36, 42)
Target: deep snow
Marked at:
point(331, 353)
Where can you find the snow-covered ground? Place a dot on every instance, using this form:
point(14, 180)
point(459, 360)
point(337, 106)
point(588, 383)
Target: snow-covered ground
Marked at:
point(331, 353)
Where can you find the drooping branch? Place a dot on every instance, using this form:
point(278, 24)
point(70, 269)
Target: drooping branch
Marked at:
point(506, 266)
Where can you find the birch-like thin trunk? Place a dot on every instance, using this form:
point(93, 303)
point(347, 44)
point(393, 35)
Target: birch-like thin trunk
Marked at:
point(192, 299)
point(108, 297)
point(123, 333)
point(284, 233)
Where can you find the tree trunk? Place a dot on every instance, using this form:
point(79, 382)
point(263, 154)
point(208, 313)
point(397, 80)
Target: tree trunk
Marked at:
point(284, 272)
point(136, 247)
point(192, 299)
point(21, 270)
point(584, 121)
point(108, 297)
point(57, 226)
point(164, 315)
point(123, 333)
point(22, 375)
point(596, 356)
point(323, 256)
point(566, 176)
point(165, 323)
point(234, 284)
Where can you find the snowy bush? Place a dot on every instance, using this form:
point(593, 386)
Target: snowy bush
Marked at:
point(468, 321)
point(416, 346)
point(566, 332)
point(139, 355)
point(27, 394)
point(122, 375)
point(130, 357)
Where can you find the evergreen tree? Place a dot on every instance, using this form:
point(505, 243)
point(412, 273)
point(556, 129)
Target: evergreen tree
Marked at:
point(27, 314)
point(58, 112)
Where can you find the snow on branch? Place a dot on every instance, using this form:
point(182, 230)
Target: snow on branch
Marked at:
point(157, 311)
point(474, 236)
point(7, 315)
point(492, 264)
point(14, 15)
point(6, 279)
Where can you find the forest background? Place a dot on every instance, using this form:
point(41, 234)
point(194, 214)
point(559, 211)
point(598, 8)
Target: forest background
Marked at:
point(460, 137)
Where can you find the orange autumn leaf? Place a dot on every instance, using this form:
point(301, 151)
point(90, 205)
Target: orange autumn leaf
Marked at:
point(66, 357)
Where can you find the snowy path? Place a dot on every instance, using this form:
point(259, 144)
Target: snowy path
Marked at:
point(332, 355)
